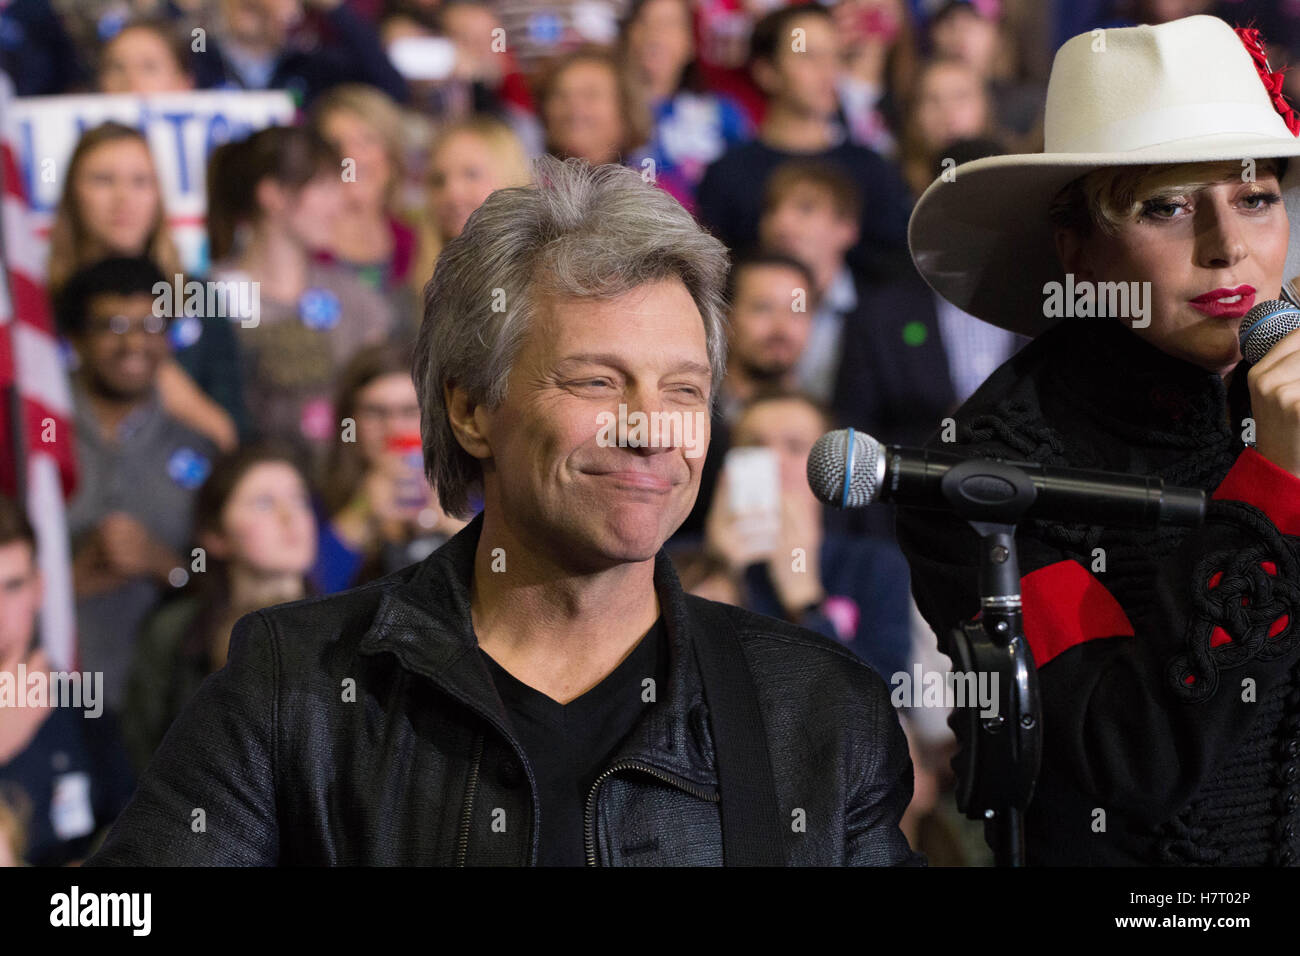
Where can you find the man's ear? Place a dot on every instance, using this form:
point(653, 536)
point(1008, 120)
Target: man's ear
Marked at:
point(1072, 251)
point(766, 77)
point(467, 419)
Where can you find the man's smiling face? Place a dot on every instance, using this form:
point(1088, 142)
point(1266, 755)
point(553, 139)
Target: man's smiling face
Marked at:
point(550, 474)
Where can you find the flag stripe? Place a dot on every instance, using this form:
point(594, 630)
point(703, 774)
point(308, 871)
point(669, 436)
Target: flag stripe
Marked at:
point(31, 361)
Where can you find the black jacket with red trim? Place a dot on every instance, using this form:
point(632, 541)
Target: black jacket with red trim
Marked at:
point(1167, 659)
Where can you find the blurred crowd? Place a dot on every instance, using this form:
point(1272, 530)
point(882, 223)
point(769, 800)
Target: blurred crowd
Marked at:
point(228, 465)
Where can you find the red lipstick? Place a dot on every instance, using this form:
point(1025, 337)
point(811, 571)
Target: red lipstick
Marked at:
point(1240, 301)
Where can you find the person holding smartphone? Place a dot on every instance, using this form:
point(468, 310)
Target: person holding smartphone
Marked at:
point(765, 535)
point(382, 513)
point(541, 691)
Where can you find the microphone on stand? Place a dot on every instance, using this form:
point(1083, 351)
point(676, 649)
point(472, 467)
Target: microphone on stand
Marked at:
point(850, 469)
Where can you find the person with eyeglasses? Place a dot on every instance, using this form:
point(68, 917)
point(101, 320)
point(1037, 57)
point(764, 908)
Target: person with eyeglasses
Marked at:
point(138, 467)
point(379, 512)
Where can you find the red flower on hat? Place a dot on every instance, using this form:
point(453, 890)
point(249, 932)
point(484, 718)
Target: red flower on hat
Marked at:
point(1254, 44)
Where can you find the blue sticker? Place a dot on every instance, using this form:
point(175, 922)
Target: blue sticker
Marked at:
point(12, 34)
point(545, 29)
point(68, 354)
point(110, 24)
point(188, 468)
point(320, 309)
point(185, 331)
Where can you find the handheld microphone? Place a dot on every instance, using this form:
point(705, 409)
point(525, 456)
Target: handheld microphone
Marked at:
point(850, 469)
point(1265, 325)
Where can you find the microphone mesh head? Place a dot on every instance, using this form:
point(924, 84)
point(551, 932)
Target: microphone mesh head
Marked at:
point(827, 463)
point(1265, 325)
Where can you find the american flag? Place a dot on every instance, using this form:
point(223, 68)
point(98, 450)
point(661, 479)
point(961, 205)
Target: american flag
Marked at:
point(37, 434)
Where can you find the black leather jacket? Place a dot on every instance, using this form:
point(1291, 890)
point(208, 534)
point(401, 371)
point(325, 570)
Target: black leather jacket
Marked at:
point(364, 728)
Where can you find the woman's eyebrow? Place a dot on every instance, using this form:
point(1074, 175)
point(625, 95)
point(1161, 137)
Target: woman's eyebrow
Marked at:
point(1190, 188)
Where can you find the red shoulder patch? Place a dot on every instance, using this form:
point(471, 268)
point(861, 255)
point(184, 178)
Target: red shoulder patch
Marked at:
point(1065, 605)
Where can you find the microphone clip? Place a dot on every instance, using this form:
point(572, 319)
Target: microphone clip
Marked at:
point(999, 754)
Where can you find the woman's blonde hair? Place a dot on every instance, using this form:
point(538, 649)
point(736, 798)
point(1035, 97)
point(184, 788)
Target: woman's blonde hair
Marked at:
point(70, 246)
point(1105, 199)
point(15, 814)
point(377, 109)
point(510, 159)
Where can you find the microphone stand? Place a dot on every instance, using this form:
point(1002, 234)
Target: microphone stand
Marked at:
point(998, 754)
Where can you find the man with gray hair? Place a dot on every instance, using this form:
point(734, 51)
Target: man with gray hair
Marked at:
point(540, 690)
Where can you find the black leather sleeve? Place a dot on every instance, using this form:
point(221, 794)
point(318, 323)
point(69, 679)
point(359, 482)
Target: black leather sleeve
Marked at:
point(880, 794)
point(208, 798)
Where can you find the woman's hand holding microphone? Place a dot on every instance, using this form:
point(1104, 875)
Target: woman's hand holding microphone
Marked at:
point(1274, 384)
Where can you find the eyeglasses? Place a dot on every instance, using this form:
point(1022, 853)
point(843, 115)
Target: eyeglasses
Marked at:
point(123, 324)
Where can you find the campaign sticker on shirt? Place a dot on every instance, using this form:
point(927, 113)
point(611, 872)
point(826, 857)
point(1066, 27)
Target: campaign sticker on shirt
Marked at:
point(185, 331)
point(843, 613)
point(71, 814)
point(317, 419)
point(12, 33)
point(320, 309)
point(545, 29)
point(372, 275)
point(188, 468)
point(110, 24)
point(68, 355)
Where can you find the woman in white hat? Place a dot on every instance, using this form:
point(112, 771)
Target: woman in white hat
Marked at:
point(1132, 248)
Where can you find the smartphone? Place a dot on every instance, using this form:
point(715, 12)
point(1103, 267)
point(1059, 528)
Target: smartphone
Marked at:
point(423, 58)
point(753, 480)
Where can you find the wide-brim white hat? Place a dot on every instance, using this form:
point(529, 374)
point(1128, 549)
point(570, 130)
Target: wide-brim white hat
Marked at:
point(1185, 91)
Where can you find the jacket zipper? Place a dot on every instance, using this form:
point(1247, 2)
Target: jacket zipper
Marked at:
point(462, 850)
point(693, 789)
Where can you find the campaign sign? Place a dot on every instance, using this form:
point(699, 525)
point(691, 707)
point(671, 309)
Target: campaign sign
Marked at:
point(182, 130)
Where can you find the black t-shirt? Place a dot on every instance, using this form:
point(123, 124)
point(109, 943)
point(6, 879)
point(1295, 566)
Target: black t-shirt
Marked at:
point(74, 778)
point(568, 745)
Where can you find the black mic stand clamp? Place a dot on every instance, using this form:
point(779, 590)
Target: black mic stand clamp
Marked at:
point(999, 749)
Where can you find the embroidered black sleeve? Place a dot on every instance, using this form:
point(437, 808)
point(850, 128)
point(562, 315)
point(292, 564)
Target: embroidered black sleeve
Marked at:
point(1244, 606)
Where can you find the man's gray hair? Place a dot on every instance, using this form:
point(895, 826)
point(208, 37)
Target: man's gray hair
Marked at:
point(579, 230)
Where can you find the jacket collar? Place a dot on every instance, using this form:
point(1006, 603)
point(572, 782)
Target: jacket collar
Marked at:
point(425, 622)
point(1132, 384)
